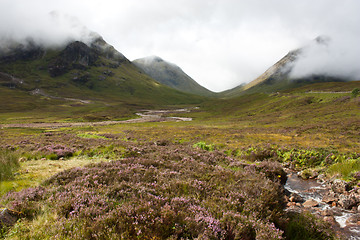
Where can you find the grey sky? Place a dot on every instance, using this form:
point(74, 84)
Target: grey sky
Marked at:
point(219, 43)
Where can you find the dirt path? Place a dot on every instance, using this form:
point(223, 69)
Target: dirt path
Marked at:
point(145, 116)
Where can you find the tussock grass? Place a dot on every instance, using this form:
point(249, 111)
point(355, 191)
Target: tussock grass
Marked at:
point(346, 169)
point(8, 164)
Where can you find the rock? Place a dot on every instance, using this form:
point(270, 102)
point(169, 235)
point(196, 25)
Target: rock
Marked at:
point(347, 201)
point(327, 212)
point(329, 199)
point(291, 204)
point(62, 159)
point(321, 178)
point(294, 197)
point(331, 220)
point(353, 219)
point(22, 159)
point(43, 159)
point(336, 211)
point(8, 217)
point(310, 203)
point(358, 208)
point(339, 186)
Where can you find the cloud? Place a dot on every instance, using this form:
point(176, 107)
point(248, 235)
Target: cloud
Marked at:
point(338, 56)
point(220, 44)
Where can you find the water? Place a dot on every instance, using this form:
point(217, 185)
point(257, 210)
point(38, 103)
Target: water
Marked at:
point(311, 189)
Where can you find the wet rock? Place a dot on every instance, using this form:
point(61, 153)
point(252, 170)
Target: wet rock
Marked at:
point(291, 204)
point(294, 197)
point(329, 199)
point(354, 219)
point(336, 211)
point(310, 203)
point(327, 212)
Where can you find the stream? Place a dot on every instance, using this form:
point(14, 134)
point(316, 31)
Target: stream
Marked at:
point(144, 116)
point(312, 189)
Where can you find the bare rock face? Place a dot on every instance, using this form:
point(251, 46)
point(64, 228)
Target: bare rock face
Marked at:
point(310, 203)
point(76, 55)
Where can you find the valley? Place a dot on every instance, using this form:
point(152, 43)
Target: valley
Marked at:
point(80, 158)
point(224, 168)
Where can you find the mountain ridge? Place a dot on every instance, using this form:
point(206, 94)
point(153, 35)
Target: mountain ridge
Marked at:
point(278, 76)
point(171, 75)
point(95, 72)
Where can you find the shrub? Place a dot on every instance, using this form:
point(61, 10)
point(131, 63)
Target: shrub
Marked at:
point(355, 92)
point(204, 146)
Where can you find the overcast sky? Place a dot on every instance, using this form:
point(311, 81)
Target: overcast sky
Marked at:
point(219, 43)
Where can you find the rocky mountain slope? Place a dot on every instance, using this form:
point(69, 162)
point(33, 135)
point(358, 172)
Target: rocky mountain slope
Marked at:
point(79, 73)
point(278, 76)
point(171, 75)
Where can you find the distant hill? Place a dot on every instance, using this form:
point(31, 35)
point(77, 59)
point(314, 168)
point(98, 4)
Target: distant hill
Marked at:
point(33, 77)
point(171, 75)
point(277, 77)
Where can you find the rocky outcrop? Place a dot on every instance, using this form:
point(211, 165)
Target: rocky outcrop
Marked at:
point(76, 55)
point(8, 218)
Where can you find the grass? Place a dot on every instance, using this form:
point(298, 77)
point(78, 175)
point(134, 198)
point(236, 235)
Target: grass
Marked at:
point(8, 164)
point(226, 139)
point(32, 173)
point(347, 169)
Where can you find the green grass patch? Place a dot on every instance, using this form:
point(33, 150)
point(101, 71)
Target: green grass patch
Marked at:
point(91, 135)
point(346, 168)
point(9, 163)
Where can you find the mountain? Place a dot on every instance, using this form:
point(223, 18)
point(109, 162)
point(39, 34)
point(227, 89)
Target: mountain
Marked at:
point(82, 79)
point(171, 75)
point(278, 77)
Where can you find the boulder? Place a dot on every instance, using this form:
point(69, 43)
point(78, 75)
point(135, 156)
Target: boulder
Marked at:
point(329, 199)
point(294, 197)
point(339, 186)
point(347, 201)
point(327, 212)
point(8, 218)
point(310, 203)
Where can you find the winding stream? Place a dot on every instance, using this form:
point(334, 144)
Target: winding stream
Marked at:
point(312, 189)
point(145, 116)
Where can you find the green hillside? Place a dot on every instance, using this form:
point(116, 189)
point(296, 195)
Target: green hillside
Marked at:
point(79, 79)
point(171, 75)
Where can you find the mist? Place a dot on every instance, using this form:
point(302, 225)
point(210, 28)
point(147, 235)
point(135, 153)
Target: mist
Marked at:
point(220, 44)
point(52, 29)
point(337, 56)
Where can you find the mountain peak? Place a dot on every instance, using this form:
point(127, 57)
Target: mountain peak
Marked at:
point(170, 74)
point(150, 60)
